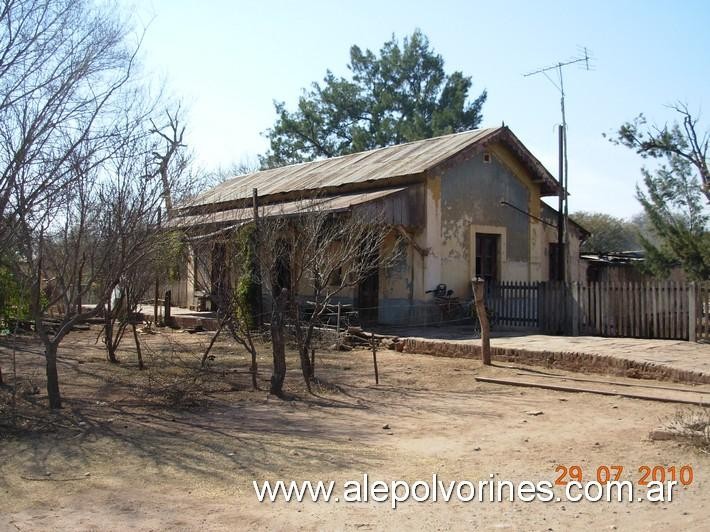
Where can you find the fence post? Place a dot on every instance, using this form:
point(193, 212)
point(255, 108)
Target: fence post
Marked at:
point(692, 318)
point(374, 358)
point(478, 297)
point(167, 316)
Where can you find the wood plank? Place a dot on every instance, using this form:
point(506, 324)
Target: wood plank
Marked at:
point(676, 312)
point(603, 286)
point(626, 308)
point(645, 328)
point(662, 310)
point(705, 312)
point(598, 307)
point(637, 309)
point(623, 307)
point(519, 304)
point(666, 306)
point(654, 303)
point(700, 306)
point(701, 312)
point(682, 397)
point(683, 304)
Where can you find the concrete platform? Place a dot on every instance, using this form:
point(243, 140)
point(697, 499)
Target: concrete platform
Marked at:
point(671, 360)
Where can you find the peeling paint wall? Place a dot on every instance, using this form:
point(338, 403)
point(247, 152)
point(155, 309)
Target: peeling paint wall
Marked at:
point(441, 214)
point(470, 202)
point(460, 201)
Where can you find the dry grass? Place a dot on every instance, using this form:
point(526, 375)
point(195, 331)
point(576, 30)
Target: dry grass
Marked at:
point(693, 425)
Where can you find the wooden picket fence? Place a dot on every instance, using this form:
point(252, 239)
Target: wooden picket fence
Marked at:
point(663, 309)
point(514, 304)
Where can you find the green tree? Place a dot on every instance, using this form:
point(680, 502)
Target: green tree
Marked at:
point(402, 95)
point(608, 233)
point(676, 192)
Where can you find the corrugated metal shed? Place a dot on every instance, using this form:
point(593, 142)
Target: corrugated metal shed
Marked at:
point(374, 165)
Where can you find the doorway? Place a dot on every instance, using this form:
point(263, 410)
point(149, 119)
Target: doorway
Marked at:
point(368, 290)
point(487, 257)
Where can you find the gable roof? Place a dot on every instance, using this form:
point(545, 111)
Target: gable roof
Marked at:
point(365, 170)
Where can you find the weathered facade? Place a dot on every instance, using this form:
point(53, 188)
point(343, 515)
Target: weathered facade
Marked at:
point(466, 205)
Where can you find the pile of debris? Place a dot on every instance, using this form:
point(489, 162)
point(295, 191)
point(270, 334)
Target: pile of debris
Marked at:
point(356, 338)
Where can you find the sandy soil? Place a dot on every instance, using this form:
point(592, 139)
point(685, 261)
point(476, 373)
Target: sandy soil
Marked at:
point(119, 458)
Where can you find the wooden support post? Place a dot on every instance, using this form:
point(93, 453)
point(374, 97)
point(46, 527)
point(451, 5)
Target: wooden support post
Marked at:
point(157, 286)
point(692, 317)
point(259, 303)
point(374, 358)
point(167, 304)
point(479, 299)
point(155, 302)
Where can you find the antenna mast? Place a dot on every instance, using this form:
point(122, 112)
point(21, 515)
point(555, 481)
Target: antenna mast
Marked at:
point(563, 208)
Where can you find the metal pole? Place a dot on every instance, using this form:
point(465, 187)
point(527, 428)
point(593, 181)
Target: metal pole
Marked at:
point(560, 211)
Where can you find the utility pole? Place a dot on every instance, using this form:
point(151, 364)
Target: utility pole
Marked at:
point(563, 207)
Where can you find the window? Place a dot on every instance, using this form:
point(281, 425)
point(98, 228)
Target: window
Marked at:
point(486, 157)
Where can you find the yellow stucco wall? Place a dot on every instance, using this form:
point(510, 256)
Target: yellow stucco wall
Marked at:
point(465, 199)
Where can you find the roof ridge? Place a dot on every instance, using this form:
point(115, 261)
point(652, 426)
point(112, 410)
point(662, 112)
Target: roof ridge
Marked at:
point(372, 150)
point(357, 169)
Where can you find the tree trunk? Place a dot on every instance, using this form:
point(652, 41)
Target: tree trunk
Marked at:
point(209, 347)
point(108, 333)
point(279, 352)
point(278, 343)
point(304, 343)
point(138, 347)
point(306, 367)
point(254, 369)
point(50, 354)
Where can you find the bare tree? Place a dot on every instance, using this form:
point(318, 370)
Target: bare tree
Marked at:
point(106, 230)
point(62, 63)
point(71, 113)
point(171, 160)
point(321, 255)
point(300, 256)
point(226, 280)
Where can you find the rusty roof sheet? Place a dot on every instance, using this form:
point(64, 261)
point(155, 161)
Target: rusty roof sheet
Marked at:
point(369, 166)
point(237, 217)
point(380, 163)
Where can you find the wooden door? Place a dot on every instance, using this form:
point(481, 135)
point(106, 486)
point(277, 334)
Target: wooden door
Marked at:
point(487, 257)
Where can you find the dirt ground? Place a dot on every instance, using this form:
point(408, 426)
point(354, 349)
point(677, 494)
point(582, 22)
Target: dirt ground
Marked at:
point(120, 457)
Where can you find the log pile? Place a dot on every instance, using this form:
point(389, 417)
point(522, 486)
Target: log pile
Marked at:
point(356, 338)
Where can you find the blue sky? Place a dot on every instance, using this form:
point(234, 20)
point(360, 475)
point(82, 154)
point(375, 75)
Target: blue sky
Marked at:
point(228, 60)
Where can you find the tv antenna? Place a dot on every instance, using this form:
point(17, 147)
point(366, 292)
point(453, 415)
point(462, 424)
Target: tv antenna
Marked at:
point(563, 207)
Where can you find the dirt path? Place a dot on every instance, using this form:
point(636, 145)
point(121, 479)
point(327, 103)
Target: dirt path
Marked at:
point(122, 465)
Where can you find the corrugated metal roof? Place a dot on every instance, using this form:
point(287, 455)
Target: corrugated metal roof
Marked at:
point(378, 164)
point(237, 216)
